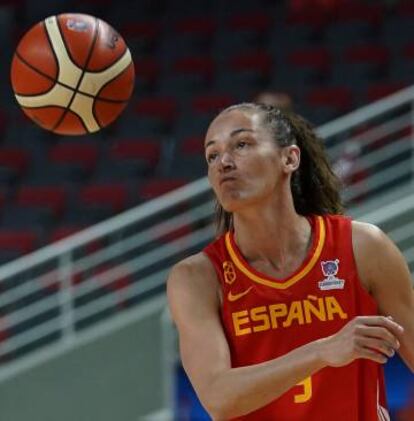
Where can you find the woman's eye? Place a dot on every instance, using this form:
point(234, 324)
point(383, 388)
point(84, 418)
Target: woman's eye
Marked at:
point(211, 157)
point(241, 144)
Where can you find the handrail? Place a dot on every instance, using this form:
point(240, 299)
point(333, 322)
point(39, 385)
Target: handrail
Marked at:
point(366, 113)
point(106, 227)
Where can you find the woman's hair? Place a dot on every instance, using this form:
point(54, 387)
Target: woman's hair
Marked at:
point(315, 187)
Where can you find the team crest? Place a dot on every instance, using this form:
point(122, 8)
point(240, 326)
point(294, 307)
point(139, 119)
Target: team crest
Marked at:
point(330, 269)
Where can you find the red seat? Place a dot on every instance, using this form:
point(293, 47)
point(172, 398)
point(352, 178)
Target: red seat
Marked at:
point(53, 197)
point(202, 65)
point(20, 241)
point(337, 97)
point(356, 10)
point(62, 232)
point(81, 154)
point(193, 145)
point(147, 69)
point(14, 158)
point(258, 22)
point(4, 334)
point(260, 61)
point(157, 187)
point(369, 53)
point(315, 13)
point(380, 90)
point(405, 8)
point(113, 195)
point(148, 150)
point(4, 120)
point(145, 31)
point(122, 280)
point(163, 108)
point(408, 51)
point(202, 25)
point(176, 234)
point(211, 103)
point(318, 58)
point(2, 198)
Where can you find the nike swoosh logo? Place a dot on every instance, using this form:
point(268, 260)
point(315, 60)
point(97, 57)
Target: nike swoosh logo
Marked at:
point(234, 297)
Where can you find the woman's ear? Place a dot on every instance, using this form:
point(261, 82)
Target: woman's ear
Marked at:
point(291, 158)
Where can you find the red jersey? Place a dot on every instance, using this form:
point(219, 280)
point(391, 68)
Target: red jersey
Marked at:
point(265, 318)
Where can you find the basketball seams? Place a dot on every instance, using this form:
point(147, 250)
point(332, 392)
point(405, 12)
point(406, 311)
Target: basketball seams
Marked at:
point(52, 49)
point(67, 48)
point(95, 37)
point(79, 118)
point(98, 98)
point(39, 72)
point(111, 64)
point(109, 81)
point(94, 110)
point(36, 70)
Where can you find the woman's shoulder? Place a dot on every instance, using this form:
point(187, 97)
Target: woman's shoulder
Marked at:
point(196, 270)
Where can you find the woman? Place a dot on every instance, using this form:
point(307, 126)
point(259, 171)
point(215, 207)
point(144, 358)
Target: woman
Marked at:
point(290, 312)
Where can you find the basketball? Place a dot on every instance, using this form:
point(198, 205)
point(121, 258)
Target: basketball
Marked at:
point(72, 74)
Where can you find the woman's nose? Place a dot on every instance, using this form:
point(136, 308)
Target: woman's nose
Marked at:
point(227, 161)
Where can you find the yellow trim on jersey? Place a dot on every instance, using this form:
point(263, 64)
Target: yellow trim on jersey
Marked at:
point(290, 281)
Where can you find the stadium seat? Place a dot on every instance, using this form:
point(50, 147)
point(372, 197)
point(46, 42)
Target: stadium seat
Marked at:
point(397, 31)
point(62, 232)
point(258, 22)
point(189, 75)
point(17, 240)
point(244, 73)
point(380, 90)
point(52, 198)
point(357, 11)
point(199, 65)
point(155, 115)
point(14, 163)
point(156, 187)
point(138, 156)
point(369, 53)
point(299, 68)
point(242, 32)
point(203, 26)
point(405, 8)
point(147, 72)
point(316, 58)
point(339, 98)
point(308, 13)
point(362, 64)
point(195, 33)
point(117, 286)
point(193, 145)
point(211, 103)
point(345, 34)
point(78, 155)
point(113, 196)
point(143, 35)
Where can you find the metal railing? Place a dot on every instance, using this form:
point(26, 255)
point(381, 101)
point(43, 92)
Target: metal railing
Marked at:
point(54, 295)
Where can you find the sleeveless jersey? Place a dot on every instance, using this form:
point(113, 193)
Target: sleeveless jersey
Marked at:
point(265, 318)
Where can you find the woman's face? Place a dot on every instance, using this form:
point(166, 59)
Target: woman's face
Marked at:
point(245, 165)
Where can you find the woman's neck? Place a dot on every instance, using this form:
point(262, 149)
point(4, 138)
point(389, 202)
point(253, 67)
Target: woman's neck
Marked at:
point(274, 234)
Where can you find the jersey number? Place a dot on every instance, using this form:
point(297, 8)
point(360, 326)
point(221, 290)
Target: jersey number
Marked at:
point(307, 391)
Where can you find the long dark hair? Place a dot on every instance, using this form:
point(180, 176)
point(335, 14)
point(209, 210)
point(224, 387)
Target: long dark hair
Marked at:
point(315, 187)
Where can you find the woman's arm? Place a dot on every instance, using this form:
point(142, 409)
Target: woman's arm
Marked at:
point(383, 268)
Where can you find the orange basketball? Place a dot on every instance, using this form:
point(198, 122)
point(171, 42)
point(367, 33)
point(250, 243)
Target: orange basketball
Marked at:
point(72, 74)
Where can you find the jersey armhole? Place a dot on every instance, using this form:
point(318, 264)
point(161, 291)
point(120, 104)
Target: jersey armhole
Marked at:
point(359, 282)
point(216, 271)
